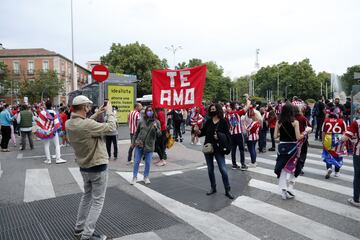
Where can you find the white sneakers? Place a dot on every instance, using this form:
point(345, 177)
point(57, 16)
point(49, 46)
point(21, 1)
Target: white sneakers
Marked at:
point(58, 161)
point(328, 173)
point(286, 194)
point(134, 180)
point(337, 174)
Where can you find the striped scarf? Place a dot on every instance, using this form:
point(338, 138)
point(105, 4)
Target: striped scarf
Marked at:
point(47, 125)
point(334, 150)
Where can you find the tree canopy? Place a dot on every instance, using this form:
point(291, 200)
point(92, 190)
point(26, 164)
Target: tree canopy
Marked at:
point(134, 58)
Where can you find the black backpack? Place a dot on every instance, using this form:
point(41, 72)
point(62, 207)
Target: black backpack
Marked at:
point(224, 142)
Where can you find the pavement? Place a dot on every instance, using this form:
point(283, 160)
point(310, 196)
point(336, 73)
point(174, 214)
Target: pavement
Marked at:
point(39, 201)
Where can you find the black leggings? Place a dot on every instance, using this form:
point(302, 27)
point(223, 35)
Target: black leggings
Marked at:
point(111, 140)
point(6, 135)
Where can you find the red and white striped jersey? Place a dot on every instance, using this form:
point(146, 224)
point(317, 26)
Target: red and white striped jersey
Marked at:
point(253, 131)
point(333, 125)
point(196, 119)
point(234, 121)
point(354, 132)
point(133, 119)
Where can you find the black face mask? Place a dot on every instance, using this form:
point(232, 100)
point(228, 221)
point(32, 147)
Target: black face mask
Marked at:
point(212, 114)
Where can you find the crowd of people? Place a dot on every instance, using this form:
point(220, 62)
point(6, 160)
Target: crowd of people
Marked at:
point(226, 127)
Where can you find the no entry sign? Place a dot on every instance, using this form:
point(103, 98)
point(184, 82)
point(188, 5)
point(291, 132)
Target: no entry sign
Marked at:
point(100, 73)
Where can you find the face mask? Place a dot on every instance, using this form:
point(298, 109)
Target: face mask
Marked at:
point(150, 114)
point(212, 114)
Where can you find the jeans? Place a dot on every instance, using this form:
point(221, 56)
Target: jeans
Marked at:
point(237, 140)
point(130, 152)
point(356, 183)
point(111, 140)
point(55, 140)
point(318, 132)
point(272, 131)
point(6, 135)
point(252, 150)
point(92, 201)
point(139, 152)
point(220, 159)
point(23, 139)
point(262, 138)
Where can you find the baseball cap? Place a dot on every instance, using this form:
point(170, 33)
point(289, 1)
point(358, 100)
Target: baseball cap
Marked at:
point(81, 99)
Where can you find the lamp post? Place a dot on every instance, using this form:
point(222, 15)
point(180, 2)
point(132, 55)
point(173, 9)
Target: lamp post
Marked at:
point(72, 50)
point(173, 49)
point(286, 90)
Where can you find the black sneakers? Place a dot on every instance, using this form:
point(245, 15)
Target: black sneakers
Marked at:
point(243, 167)
point(235, 167)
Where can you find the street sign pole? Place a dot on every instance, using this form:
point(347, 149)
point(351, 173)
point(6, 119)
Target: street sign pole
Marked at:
point(100, 73)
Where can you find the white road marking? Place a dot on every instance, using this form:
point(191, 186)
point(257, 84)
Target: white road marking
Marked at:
point(125, 141)
point(20, 155)
point(322, 164)
point(128, 176)
point(38, 185)
point(75, 172)
point(289, 220)
point(316, 171)
point(202, 167)
point(220, 228)
point(53, 156)
point(1, 171)
point(140, 236)
point(170, 173)
point(310, 199)
point(309, 181)
point(345, 160)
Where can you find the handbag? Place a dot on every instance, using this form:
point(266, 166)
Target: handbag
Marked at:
point(208, 148)
point(170, 141)
point(141, 143)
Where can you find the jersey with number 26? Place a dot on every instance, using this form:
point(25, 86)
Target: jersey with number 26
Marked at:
point(334, 125)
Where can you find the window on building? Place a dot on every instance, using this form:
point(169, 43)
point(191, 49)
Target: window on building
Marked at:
point(31, 67)
point(16, 67)
point(45, 66)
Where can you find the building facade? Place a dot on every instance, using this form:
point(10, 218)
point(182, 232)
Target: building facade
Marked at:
point(22, 65)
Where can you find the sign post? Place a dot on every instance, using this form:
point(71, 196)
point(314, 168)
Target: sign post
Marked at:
point(100, 73)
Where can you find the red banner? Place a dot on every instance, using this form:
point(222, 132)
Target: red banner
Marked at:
point(178, 89)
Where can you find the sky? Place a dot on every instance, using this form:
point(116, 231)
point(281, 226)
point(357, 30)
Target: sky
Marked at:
point(227, 31)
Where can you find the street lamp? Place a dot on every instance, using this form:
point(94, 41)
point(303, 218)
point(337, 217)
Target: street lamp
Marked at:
point(72, 49)
point(173, 50)
point(286, 90)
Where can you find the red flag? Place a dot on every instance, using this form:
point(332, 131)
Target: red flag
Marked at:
point(178, 89)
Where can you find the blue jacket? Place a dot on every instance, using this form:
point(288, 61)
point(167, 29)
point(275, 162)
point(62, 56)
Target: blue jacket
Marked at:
point(5, 118)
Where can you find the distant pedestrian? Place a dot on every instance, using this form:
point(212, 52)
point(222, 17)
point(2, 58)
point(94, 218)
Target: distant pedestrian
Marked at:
point(319, 113)
point(160, 144)
point(86, 138)
point(332, 130)
point(48, 126)
point(287, 128)
point(133, 119)
point(271, 122)
point(6, 120)
point(353, 132)
point(253, 134)
point(25, 120)
point(236, 126)
point(144, 143)
point(263, 130)
point(63, 117)
point(211, 130)
point(177, 119)
point(111, 140)
point(196, 122)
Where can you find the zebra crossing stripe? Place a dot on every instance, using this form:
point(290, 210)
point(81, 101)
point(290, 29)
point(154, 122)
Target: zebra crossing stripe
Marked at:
point(200, 220)
point(38, 185)
point(289, 220)
point(170, 173)
point(345, 160)
point(19, 156)
point(128, 176)
point(309, 181)
point(75, 172)
point(202, 167)
point(140, 236)
point(316, 171)
point(322, 164)
point(310, 199)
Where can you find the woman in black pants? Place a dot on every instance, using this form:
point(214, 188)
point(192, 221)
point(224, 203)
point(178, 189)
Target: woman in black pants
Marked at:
point(216, 124)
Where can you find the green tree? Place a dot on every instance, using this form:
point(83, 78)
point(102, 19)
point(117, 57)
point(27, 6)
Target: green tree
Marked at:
point(134, 58)
point(5, 83)
point(45, 85)
point(242, 85)
point(348, 78)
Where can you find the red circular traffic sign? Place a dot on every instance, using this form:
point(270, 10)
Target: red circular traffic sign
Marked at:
point(100, 73)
